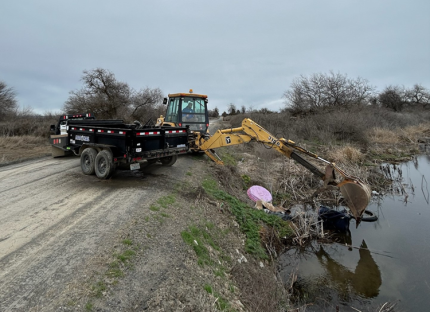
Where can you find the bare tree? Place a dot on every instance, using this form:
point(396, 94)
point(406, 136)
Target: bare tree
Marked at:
point(322, 90)
point(8, 103)
point(102, 94)
point(231, 109)
point(144, 101)
point(214, 112)
point(418, 95)
point(108, 98)
point(392, 97)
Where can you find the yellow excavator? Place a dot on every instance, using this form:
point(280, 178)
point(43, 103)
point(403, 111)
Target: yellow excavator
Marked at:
point(190, 109)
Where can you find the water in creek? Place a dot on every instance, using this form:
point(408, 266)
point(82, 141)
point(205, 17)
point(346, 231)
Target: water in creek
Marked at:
point(389, 260)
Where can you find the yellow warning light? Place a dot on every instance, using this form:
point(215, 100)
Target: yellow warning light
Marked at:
point(191, 90)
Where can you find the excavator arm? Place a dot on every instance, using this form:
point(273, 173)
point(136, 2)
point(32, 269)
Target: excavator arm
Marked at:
point(355, 192)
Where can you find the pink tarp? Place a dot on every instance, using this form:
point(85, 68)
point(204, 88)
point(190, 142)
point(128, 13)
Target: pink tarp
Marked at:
point(257, 192)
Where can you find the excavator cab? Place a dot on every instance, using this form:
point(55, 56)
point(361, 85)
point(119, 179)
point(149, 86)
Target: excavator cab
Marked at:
point(187, 109)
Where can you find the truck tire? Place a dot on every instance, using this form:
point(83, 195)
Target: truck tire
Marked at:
point(104, 165)
point(88, 159)
point(169, 161)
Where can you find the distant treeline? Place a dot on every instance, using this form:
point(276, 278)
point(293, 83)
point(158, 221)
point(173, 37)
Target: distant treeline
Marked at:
point(330, 102)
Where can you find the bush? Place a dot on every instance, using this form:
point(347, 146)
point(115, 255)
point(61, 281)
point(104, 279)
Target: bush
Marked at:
point(334, 126)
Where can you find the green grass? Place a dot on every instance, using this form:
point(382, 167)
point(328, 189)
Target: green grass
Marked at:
point(193, 237)
point(127, 242)
point(154, 208)
point(98, 289)
point(89, 306)
point(189, 173)
point(228, 158)
point(126, 255)
point(250, 220)
point(114, 270)
point(163, 202)
point(208, 288)
point(166, 201)
point(220, 272)
point(246, 181)
point(221, 303)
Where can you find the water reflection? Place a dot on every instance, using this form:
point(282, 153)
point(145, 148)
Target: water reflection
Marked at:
point(397, 268)
point(365, 280)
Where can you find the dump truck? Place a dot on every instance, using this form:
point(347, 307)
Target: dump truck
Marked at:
point(104, 145)
point(190, 109)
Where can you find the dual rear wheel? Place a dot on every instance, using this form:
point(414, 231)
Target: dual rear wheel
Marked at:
point(100, 163)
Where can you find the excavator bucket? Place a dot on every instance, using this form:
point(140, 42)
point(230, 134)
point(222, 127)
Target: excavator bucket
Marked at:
point(357, 196)
point(355, 192)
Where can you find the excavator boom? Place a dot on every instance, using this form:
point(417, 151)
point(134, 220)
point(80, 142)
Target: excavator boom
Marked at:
point(355, 192)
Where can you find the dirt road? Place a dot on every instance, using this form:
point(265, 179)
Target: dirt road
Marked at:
point(53, 218)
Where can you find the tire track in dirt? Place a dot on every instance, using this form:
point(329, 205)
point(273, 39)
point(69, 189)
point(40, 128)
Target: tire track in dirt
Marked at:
point(53, 219)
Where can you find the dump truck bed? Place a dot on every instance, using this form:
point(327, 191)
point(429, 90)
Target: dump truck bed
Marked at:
point(125, 141)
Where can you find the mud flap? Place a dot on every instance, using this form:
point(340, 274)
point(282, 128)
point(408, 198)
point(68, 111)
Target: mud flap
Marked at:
point(58, 152)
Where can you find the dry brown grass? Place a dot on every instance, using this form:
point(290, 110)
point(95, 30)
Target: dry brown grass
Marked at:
point(345, 153)
point(22, 141)
point(383, 136)
point(17, 148)
point(409, 134)
point(413, 133)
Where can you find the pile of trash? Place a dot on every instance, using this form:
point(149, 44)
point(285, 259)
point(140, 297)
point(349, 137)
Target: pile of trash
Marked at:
point(331, 219)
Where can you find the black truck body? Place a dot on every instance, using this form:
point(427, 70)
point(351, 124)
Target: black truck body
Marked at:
point(112, 143)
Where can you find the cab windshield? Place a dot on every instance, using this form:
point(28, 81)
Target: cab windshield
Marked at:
point(189, 111)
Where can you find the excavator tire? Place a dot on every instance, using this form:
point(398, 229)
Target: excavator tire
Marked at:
point(104, 165)
point(88, 159)
point(169, 161)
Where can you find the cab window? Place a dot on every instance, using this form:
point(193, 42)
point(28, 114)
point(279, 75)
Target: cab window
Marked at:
point(172, 110)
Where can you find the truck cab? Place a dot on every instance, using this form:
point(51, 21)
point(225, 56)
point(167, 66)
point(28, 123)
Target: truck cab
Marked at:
point(187, 109)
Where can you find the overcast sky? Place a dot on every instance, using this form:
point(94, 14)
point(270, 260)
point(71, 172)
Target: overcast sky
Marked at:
point(241, 52)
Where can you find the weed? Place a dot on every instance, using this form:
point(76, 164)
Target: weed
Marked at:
point(98, 289)
point(127, 242)
point(228, 158)
point(246, 181)
point(159, 219)
point(209, 225)
point(165, 215)
point(126, 255)
point(221, 303)
point(196, 238)
point(189, 173)
point(165, 201)
point(114, 273)
point(89, 306)
point(71, 303)
point(208, 288)
point(220, 272)
point(154, 208)
point(231, 288)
